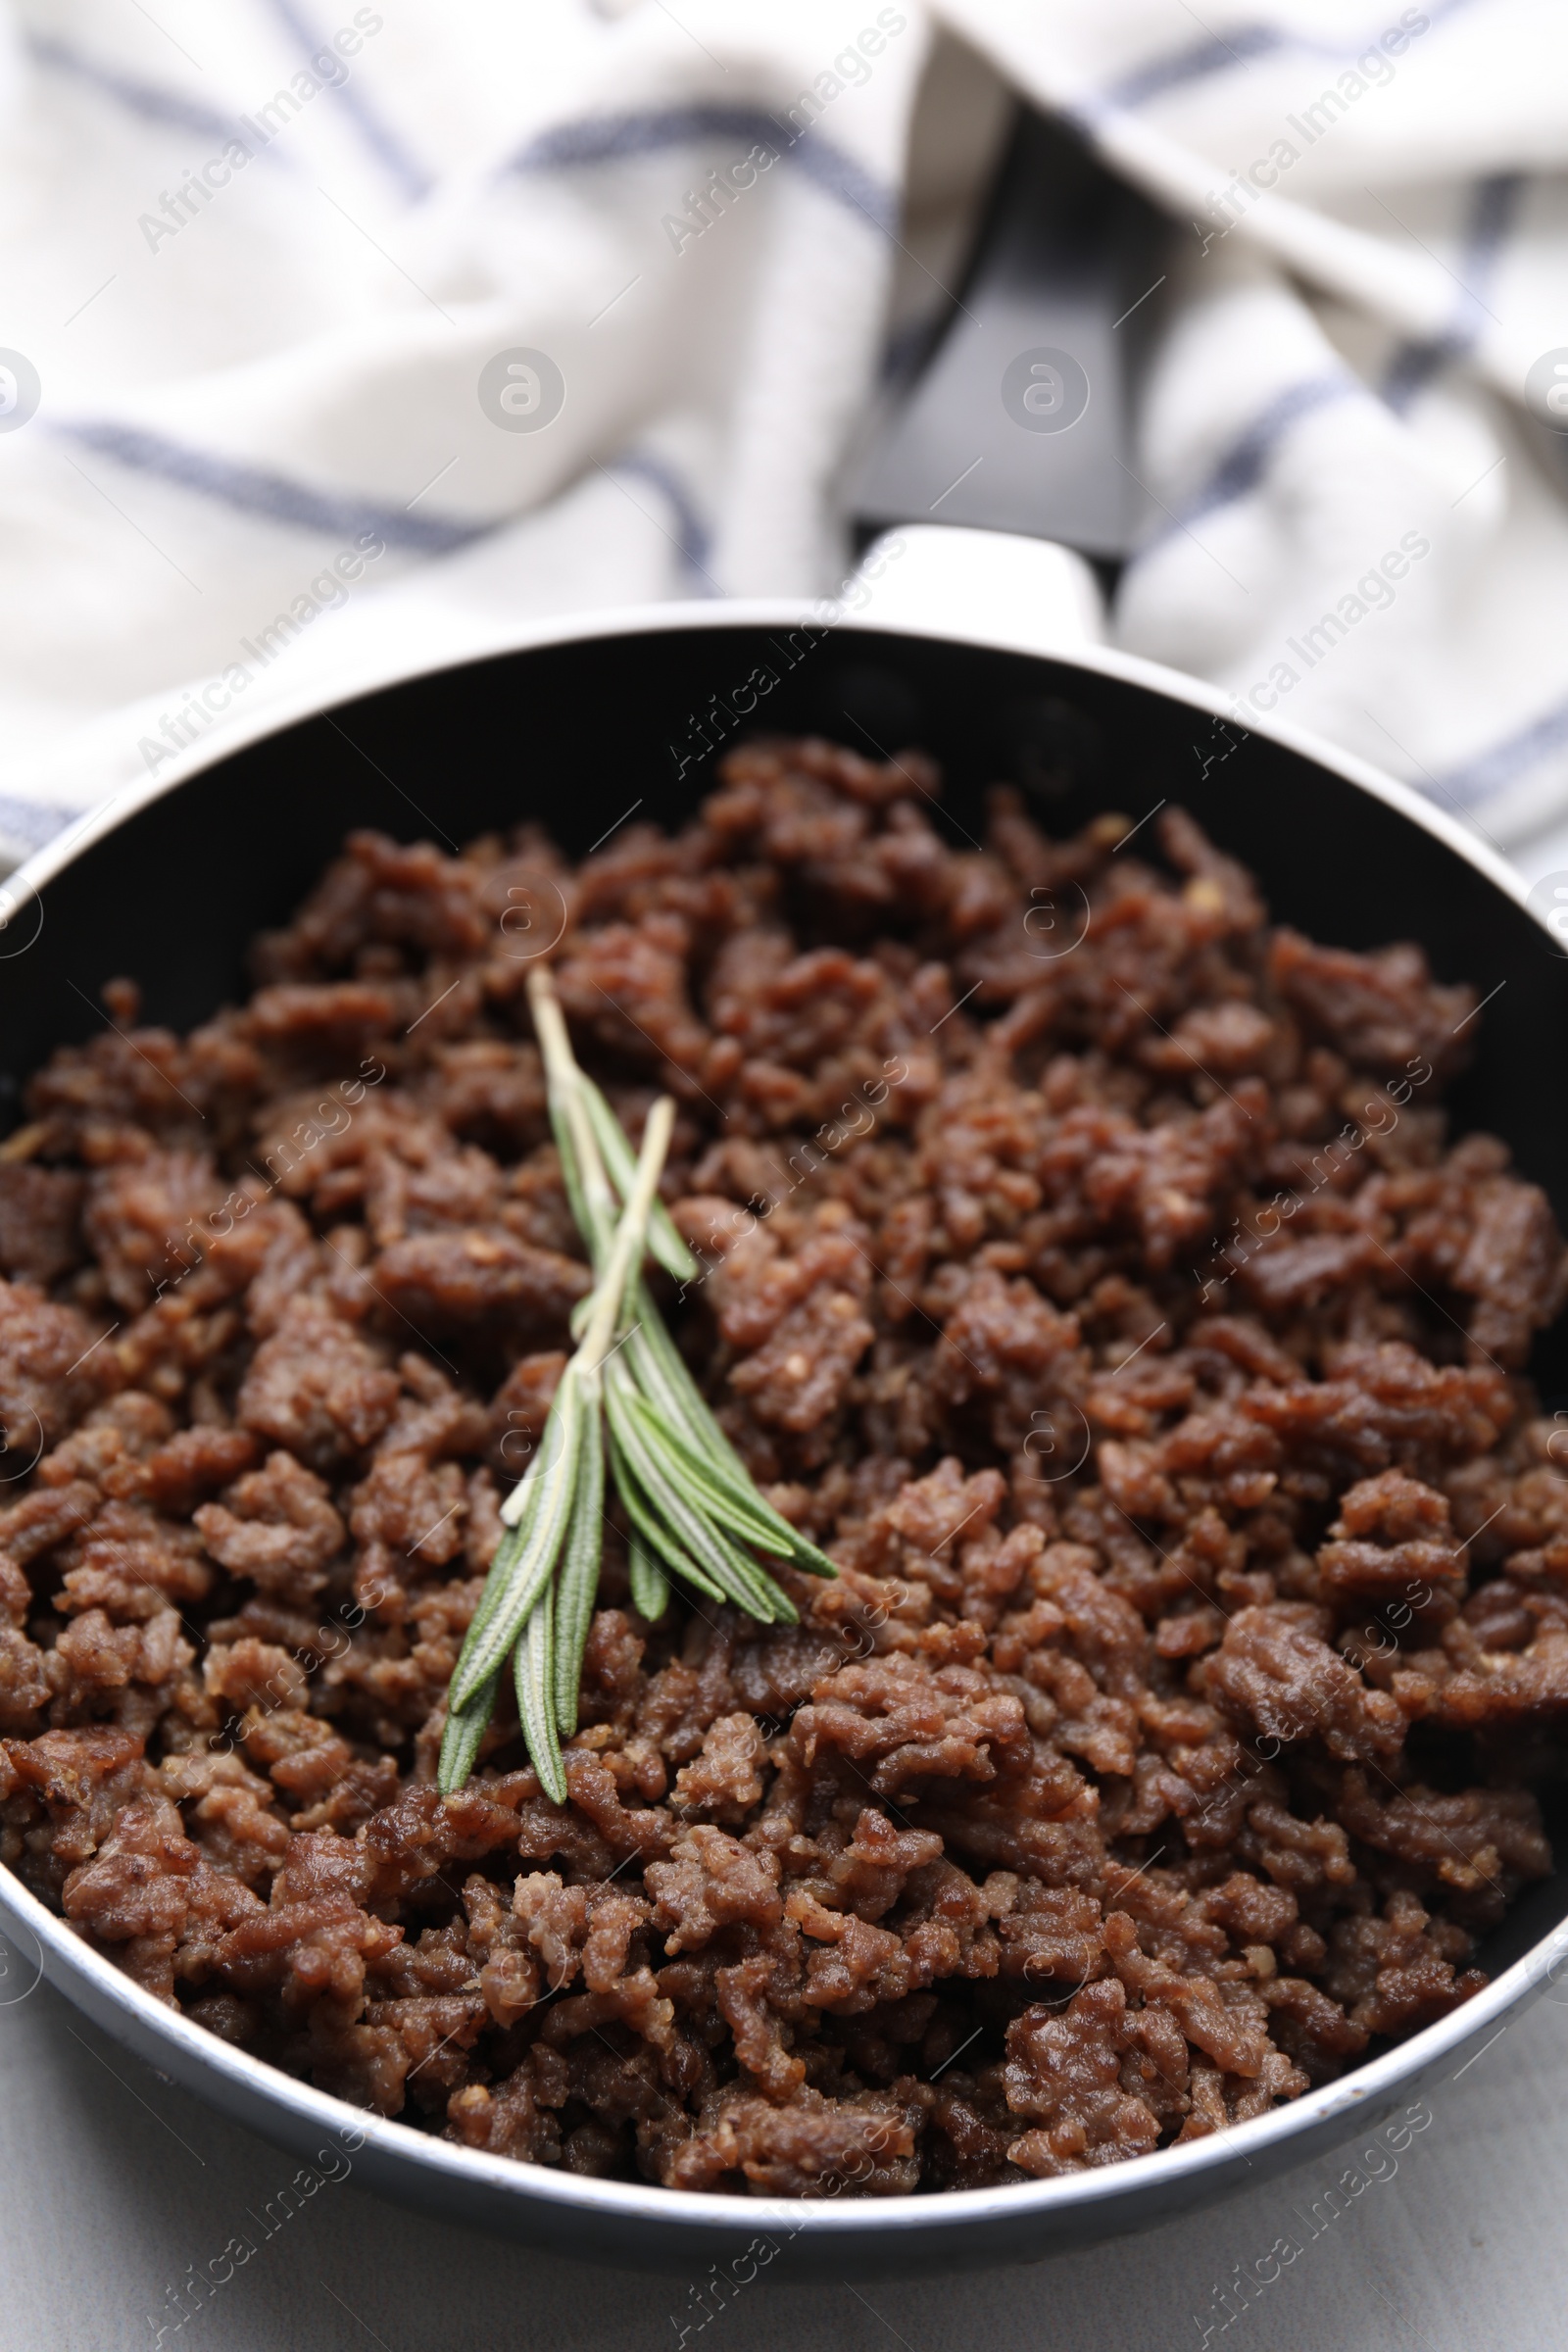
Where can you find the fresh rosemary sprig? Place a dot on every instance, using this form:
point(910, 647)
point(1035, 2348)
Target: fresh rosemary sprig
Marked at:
point(692, 1504)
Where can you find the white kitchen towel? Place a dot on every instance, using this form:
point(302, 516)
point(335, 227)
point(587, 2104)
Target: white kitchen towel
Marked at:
point(331, 333)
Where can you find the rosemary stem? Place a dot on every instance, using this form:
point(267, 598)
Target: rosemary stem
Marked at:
point(565, 1084)
point(626, 1251)
point(598, 1161)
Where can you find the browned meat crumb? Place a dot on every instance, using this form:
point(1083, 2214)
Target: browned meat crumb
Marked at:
point(1125, 1323)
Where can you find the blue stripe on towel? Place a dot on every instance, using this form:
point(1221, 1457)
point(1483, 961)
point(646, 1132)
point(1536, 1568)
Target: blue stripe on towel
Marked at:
point(1244, 463)
point(692, 536)
point(1489, 772)
point(613, 139)
point(1493, 208)
point(1201, 61)
point(251, 490)
point(382, 142)
point(144, 98)
point(1197, 61)
point(33, 824)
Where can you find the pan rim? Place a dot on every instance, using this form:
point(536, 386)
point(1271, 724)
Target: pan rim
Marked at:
point(1365, 2087)
point(212, 2066)
point(606, 625)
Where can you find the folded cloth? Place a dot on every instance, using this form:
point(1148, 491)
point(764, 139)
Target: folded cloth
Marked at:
point(1351, 433)
point(341, 335)
point(336, 329)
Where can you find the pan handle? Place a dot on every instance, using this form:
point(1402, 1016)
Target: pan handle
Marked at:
point(989, 587)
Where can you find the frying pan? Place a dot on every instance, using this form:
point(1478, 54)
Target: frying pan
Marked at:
point(572, 722)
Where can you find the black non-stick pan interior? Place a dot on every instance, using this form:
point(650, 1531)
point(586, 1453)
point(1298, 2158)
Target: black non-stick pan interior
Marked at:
point(575, 735)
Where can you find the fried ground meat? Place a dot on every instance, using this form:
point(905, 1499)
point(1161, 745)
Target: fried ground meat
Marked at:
point(1104, 1291)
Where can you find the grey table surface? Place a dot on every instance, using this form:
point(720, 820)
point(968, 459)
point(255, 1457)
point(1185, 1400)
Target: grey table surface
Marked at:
point(116, 2185)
